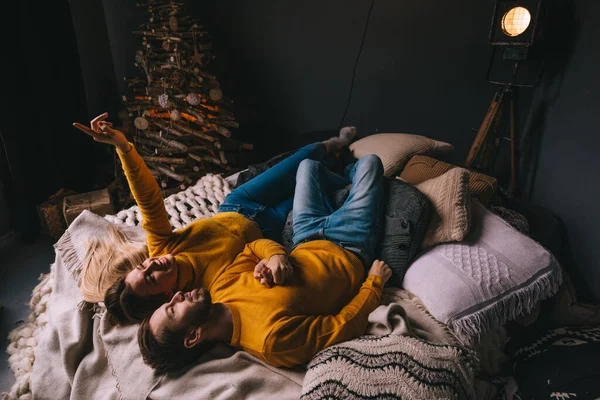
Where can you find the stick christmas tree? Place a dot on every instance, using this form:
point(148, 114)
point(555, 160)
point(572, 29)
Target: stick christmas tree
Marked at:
point(177, 115)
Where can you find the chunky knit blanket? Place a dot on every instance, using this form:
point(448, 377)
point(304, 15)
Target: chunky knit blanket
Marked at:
point(199, 201)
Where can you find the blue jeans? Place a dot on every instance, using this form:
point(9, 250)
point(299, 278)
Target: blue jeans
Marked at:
point(356, 225)
point(267, 198)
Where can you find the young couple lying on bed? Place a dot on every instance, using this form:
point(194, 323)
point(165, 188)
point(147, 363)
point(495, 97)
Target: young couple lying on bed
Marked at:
point(221, 280)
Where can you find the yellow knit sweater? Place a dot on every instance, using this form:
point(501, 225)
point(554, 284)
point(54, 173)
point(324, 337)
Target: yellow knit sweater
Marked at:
point(202, 249)
point(321, 304)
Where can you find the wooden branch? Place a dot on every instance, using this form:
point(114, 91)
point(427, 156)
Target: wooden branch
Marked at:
point(150, 143)
point(166, 160)
point(196, 133)
point(171, 174)
point(219, 129)
point(196, 114)
point(168, 128)
point(222, 157)
point(207, 158)
point(168, 142)
point(158, 114)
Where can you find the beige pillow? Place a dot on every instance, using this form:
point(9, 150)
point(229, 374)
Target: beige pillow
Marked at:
point(449, 195)
point(395, 149)
point(421, 168)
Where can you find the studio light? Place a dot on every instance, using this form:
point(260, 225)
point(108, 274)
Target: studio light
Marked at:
point(516, 21)
point(513, 31)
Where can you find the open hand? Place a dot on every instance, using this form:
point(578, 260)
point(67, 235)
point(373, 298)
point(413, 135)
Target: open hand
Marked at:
point(102, 131)
point(273, 271)
point(380, 268)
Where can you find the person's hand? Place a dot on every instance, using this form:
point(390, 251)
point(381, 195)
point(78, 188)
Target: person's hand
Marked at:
point(102, 131)
point(273, 271)
point(381, 269)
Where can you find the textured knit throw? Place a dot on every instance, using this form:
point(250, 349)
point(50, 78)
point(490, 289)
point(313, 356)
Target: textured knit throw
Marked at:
point(390, 367)
point(407, 354)
point(199, 201)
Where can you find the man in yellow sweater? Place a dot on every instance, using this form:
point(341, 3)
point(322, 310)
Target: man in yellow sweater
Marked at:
point(286, 320)
point(196, 255)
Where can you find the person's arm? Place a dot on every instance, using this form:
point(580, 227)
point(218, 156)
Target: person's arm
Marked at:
point(143, 186)
point(274, 266)
point(296, 339)
point(147, 195)
point(266, 248)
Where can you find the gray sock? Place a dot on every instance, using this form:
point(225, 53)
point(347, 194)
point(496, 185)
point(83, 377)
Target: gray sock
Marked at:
point(346, 135)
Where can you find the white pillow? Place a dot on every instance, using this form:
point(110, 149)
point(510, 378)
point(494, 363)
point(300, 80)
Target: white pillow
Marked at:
point(395, 149)
point(493, 276)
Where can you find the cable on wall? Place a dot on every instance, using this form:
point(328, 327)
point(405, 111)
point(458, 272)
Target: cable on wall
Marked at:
point(362, 43)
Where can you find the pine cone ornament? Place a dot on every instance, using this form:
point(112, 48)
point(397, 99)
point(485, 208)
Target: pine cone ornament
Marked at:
point(163, 100)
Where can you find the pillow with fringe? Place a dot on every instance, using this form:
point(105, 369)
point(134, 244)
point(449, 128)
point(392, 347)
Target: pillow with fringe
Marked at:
point(493, 276)
point(451, 218)
point(395, 149)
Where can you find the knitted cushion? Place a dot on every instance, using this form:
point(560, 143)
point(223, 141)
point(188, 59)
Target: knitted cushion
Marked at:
point(407, 217)
point(493, 276)
point(449, 196)
point(422, 168)
point(395, 149)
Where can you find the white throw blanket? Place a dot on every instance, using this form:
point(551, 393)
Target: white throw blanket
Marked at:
point(86, 357)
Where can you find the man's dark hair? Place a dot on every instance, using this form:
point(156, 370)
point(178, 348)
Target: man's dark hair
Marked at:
point(167, 353)
point(127, 307)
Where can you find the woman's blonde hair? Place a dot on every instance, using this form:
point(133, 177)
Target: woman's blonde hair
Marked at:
point(107, 259)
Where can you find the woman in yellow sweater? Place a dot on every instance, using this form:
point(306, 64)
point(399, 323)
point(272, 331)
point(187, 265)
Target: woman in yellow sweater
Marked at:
point(324, 301)
point(195, 256)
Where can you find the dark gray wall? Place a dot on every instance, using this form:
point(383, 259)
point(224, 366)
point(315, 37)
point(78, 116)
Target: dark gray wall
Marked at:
point(569, 166)
point(4, 220)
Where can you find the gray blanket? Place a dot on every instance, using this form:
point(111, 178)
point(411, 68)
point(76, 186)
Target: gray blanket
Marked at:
point(81, 355)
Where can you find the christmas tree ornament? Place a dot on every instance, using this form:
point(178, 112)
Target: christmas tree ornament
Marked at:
point(141, 123)
point(193, 98)
point(215, 94)
point(175, 115)
point(163, 100)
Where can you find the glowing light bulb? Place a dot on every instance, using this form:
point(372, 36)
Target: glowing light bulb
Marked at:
point(516, 21)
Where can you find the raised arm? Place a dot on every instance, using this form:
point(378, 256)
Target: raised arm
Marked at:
point(297, 339)
point(143, 186)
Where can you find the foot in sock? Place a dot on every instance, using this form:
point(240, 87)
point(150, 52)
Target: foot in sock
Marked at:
point(336, 143)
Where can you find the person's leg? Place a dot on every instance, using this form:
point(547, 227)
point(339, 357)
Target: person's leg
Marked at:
point(277, 183)
point(311, 203)
point(356, 225)
point(267, 198)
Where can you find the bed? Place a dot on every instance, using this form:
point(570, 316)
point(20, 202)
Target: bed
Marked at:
point(70, 349)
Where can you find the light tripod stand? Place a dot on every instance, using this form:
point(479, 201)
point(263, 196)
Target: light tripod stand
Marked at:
point(486, 144)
